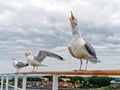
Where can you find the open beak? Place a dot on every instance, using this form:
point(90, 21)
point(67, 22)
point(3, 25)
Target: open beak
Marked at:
point(72, 18)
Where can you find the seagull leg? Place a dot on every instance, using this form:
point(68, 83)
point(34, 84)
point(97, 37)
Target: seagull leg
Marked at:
point(86, 64)
point(17, 70)
point(33, 68)
point(80, 64)
point(36, 68)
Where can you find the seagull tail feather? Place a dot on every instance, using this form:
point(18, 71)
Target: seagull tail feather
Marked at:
point(43, 65)
point(94, 60)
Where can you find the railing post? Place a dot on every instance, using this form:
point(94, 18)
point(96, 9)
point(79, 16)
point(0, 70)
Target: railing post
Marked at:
point(7, 80)
point(2, 81)
point(24, 82)
point(55, 82)
point(16, 81)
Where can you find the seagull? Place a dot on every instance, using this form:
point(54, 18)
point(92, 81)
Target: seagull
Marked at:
point(18, 65)
point(36, 61)
point(78, 47)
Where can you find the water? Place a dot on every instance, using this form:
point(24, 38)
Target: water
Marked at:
point(29, 89)
point(59, 89)
point(50, 89)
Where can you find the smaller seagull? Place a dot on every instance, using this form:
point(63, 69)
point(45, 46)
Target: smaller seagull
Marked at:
point(36, 61)
point(18, 65)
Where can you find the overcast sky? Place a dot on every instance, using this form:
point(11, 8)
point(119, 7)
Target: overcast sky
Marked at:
point(33, 25)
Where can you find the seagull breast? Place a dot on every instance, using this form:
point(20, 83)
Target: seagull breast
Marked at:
point(15, 64)
point(32, 61)
point(77, 48)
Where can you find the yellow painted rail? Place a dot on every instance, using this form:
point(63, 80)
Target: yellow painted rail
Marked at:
point(82, 72)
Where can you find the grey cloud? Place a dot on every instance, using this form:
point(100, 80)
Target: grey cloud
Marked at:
point(32, 25)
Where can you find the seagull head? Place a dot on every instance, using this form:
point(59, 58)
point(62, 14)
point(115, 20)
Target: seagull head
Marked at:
point(13, 58)
point(27, 53)
point(73, 20)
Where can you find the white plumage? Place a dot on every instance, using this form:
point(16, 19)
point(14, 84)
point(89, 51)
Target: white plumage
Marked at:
point(78, 47)
point(18, 65)
point(36, 61)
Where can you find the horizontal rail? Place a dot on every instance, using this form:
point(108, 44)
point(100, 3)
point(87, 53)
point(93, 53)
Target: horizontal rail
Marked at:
point(55, 76)
point(82, 72)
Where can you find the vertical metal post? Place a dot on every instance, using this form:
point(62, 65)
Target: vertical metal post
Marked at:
point(7, 80)
point(16, 81)
point(55, 82)
point(24, 82)
point(2, 77)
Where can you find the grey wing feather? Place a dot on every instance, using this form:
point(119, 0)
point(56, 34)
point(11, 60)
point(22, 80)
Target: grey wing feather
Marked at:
point(50, 54)
point(20, 64)
point(90, 49)
point(42, 55)
point(70, 50)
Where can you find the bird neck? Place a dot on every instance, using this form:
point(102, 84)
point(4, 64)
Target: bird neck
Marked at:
point(14, 61)
point(75, 32)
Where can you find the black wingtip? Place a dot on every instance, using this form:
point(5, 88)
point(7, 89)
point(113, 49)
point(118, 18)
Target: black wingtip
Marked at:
point(61, 58)
point(27, 64)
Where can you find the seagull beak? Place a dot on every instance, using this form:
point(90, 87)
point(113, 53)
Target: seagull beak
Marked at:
point(26, 54)
point(72, 18)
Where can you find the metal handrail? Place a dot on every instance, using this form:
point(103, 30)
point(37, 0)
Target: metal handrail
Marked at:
point(55, 75)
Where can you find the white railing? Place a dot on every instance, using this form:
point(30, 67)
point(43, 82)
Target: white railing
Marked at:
point(15, 86)
point(55, 75)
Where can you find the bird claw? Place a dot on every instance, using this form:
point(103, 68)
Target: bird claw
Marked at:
point(33, 71)
point(78, 70)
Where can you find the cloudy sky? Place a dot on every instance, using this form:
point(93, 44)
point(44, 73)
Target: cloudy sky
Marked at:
point(33, 25)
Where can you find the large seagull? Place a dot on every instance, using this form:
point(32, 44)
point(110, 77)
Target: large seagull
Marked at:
point(37, 60)
point(78, 47)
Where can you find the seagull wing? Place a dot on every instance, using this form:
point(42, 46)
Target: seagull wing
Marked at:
point(90, 49)
point(43, 54)
point(21, 64)
point(70, 50)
